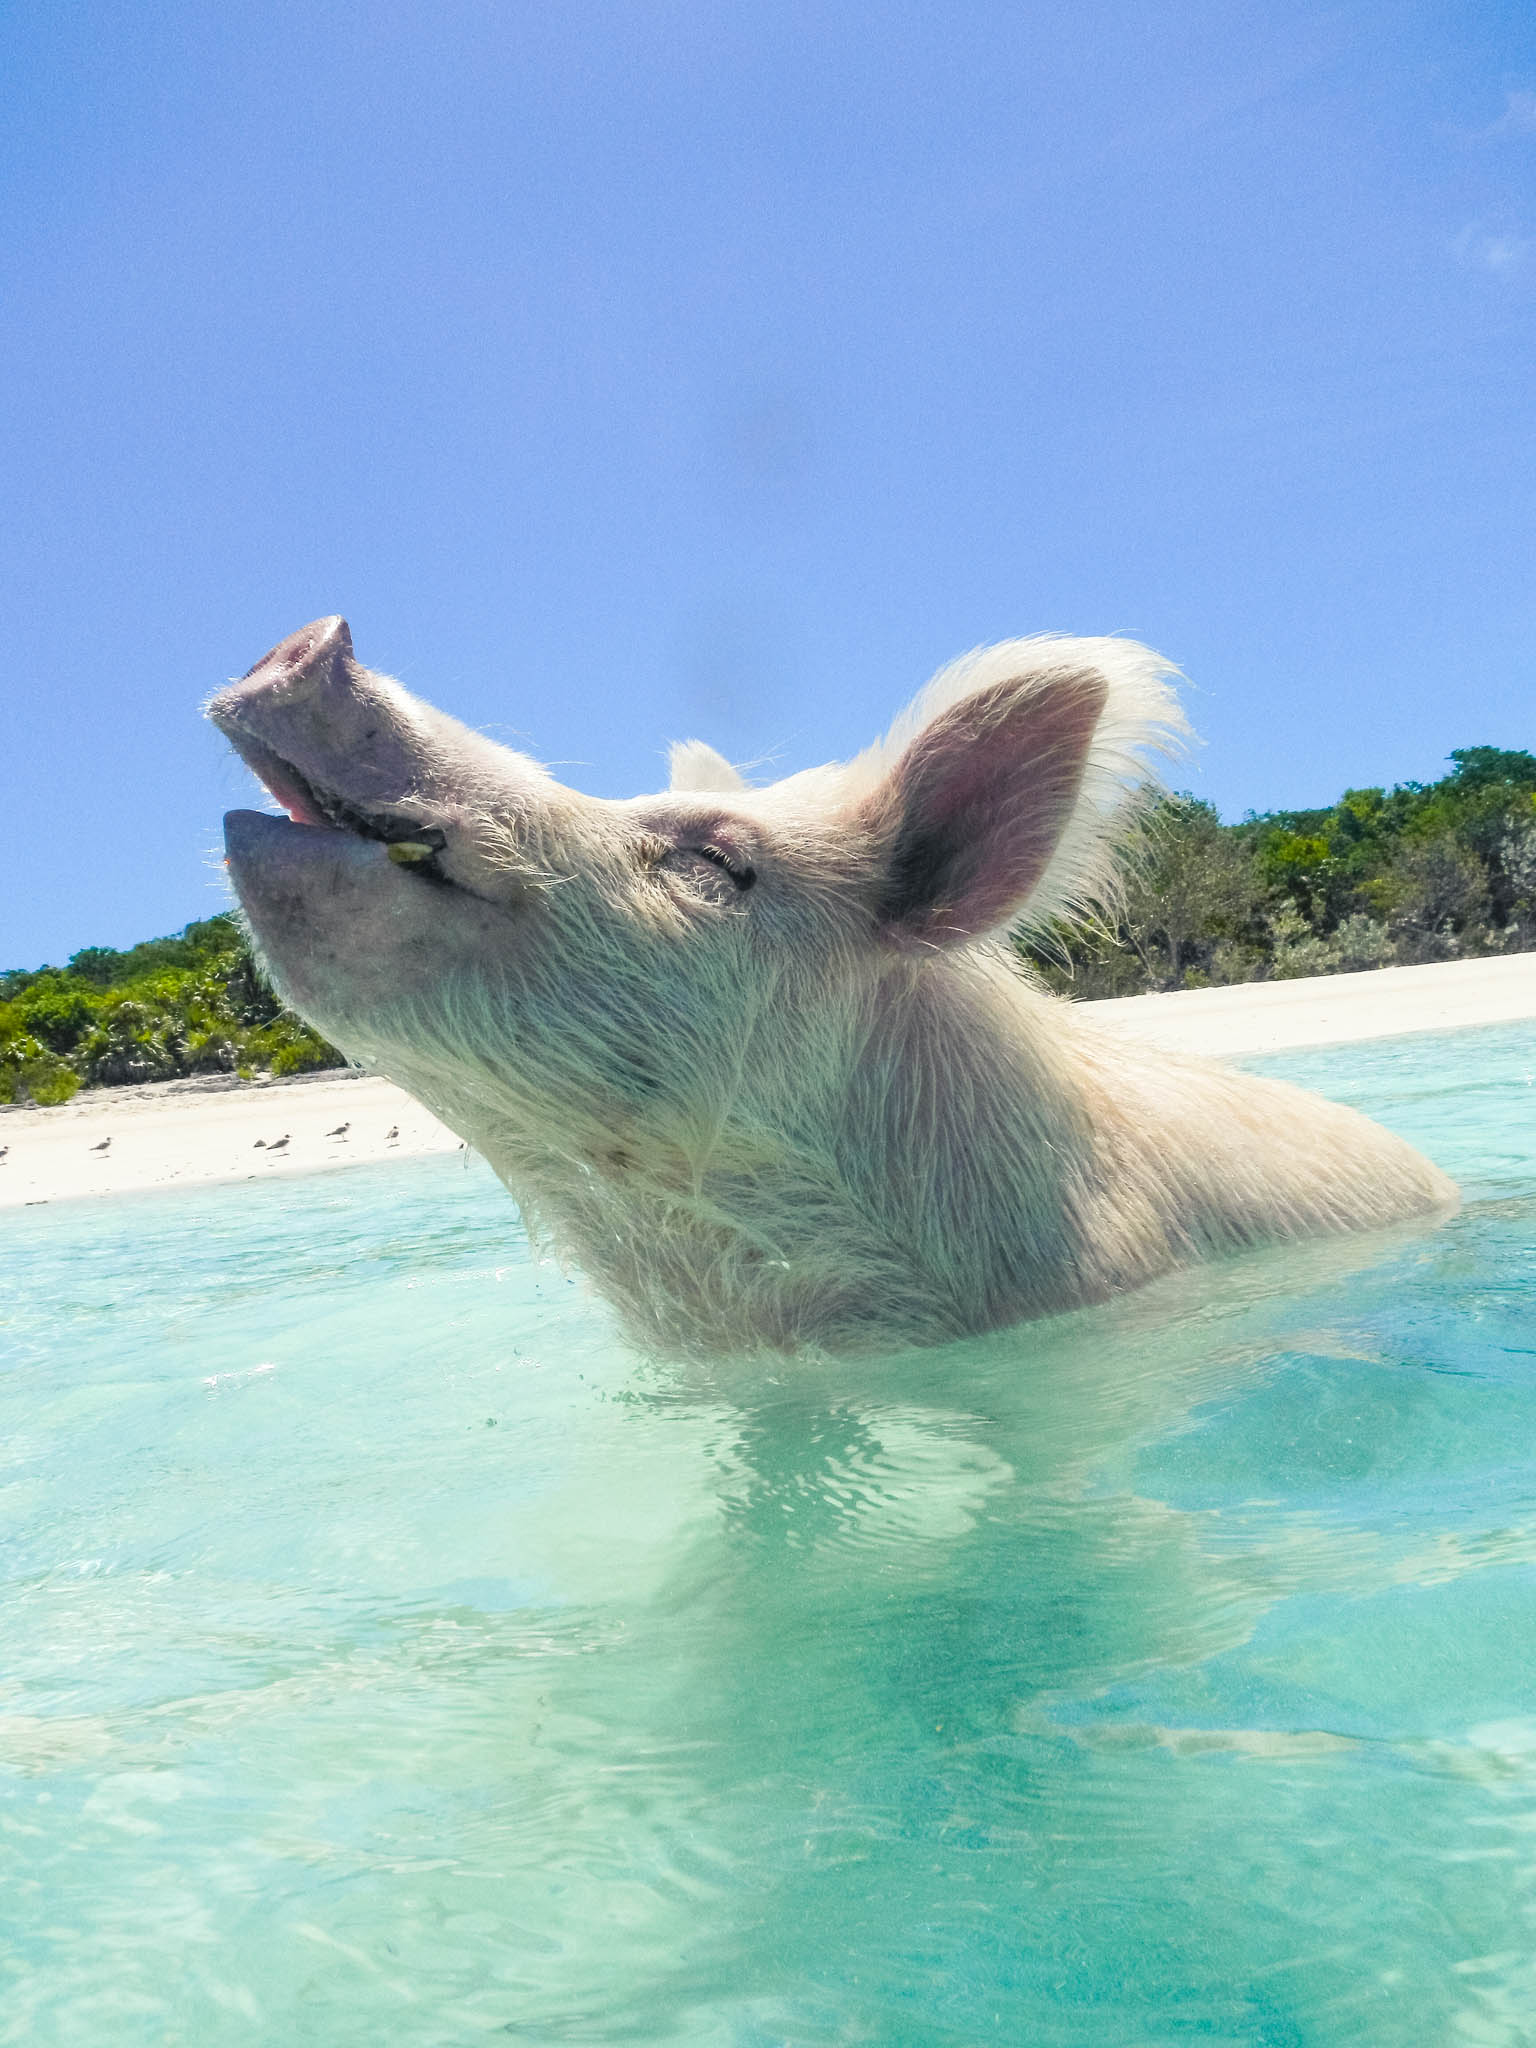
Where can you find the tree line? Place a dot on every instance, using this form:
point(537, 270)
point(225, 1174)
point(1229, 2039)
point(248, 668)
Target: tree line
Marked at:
point(1437, 871)
point(193, 1004)
point(1426, 871)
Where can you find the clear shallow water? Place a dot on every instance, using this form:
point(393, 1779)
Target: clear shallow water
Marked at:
point(389, 1656)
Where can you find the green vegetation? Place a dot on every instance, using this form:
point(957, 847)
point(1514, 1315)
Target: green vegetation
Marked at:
point(195, 1004)
point(1444, 871)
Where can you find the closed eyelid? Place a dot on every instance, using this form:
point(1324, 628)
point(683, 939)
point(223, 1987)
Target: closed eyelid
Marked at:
point(735, 864)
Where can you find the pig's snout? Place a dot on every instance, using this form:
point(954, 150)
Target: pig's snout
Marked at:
point(309, 713)
point(338, 745)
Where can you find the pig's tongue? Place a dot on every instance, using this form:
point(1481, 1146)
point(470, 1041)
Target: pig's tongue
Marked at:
point(300, 808)
point(283, 782)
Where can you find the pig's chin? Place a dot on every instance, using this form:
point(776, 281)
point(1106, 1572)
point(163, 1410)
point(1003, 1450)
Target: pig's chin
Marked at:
point(346, 933)
point(275, 857)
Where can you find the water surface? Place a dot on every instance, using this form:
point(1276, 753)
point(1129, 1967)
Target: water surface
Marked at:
point(389, 1655)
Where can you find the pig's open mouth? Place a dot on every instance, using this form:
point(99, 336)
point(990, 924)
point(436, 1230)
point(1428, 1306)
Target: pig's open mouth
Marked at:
point(408, 842)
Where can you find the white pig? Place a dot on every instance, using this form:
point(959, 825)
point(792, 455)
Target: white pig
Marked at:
point(759, 1059)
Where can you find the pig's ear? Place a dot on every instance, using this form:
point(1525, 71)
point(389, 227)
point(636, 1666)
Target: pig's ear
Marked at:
point(998, 798)
point(697, 766)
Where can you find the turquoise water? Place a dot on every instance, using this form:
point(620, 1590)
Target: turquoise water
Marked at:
point(391, 1657)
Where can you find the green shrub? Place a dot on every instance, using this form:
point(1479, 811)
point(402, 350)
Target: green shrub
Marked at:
point(48, 1080)
point(190, 1004)
point(56, 1012)
point(288, 1046)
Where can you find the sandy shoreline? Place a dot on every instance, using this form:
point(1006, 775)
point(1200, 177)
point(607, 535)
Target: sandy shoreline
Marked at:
point(1332, 1009)
point(180, 1134)
point(169, 1137)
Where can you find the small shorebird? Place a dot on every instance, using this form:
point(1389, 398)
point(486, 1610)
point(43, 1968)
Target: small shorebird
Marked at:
point(340, 1131)
point(392, 1133)
point(277, 1144)
point(102, 1146)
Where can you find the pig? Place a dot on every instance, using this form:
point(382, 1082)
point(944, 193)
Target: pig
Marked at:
point(760, 1060)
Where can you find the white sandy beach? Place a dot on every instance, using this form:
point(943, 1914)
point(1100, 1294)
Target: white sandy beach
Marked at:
point(1332, 1009)
point(172, 1135)
point(119, 1140)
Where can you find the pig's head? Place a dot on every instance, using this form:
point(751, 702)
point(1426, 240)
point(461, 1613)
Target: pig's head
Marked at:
point(684, 975)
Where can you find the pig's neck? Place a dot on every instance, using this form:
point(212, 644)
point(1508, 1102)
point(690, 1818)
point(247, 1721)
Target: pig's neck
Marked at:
point(910, 1175)
point(983, 1140)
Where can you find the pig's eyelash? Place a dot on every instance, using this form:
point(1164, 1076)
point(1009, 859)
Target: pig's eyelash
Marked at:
point(742, 875)
point(655, 851)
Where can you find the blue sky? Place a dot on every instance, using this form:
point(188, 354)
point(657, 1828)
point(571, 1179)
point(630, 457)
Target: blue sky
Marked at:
point(628, 371)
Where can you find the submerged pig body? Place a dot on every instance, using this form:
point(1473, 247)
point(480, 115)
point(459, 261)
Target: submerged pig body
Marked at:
point(756, 1059)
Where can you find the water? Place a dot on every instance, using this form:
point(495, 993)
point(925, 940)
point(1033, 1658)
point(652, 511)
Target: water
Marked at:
point(390, 1656)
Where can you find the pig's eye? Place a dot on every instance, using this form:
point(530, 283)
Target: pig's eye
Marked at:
point(742, 875)
point(716, 871)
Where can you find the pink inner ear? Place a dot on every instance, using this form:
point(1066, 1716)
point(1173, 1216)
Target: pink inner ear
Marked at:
point(979, 802)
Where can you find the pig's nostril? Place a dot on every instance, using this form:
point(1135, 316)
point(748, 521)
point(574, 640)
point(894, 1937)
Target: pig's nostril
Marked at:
point(312, 652)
